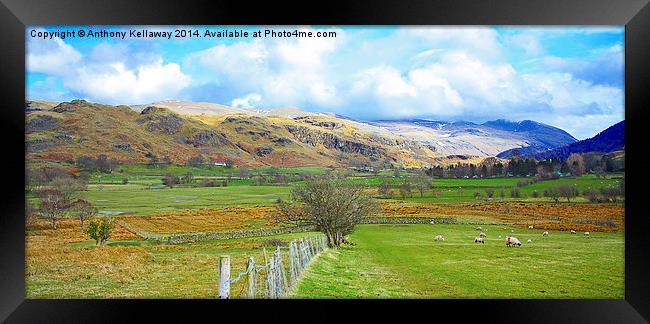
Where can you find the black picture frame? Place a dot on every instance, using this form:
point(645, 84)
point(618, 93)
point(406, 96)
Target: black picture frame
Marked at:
point(15, 15)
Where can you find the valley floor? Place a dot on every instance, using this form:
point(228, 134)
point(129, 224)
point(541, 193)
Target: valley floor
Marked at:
point(404, 261)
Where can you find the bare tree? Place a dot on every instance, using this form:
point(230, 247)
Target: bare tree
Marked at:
point(405, 189)
point(567, 191)
point(68, 186)
point(84, 210)
point(576, 164)
point(552, 193)
point(53, 205)
point(422, 184)
point(332, 206)
point(384, 189)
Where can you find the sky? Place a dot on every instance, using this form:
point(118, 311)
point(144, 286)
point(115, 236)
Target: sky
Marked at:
point(568, 77)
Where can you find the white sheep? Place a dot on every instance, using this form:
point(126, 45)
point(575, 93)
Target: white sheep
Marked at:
point(530, 226)
point(529, 241)
point(479, 228)
point(439, 238)
point(431, 223)
point(586, 234)
point(573, 232)
point(512, 241)
point(479, 240)
point(545, 233)
point(482, 234)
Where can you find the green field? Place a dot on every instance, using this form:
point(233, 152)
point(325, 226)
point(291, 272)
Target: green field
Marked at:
point(136, 198)
point(150, 201)
point(401, 261)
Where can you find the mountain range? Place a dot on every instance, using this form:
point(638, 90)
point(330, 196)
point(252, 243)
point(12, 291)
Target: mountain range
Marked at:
point(610, 140)
point(179, 130)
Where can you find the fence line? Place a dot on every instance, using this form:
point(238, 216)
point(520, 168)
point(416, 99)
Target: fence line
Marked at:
point(276, 277)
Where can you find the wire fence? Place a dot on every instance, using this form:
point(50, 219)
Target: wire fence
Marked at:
point(274, 278)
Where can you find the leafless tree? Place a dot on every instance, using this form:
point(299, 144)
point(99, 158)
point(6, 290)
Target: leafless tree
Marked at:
point(332, 206)
point(405, 189)
point(384, 189)
point(53, 205)
point(567, 191)
point(84, 210)
point(576, 164)
point(422, 184)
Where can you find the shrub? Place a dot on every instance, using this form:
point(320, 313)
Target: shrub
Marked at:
point(522, 183)
point(591, 195)
point(535, 194)
point(489, 192)
point(552, 193)
point(170, 180)
point(99, 229)
point(125, 181)
point(515, 193)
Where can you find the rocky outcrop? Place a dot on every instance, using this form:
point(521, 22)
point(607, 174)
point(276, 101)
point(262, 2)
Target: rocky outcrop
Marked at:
point(168, 124)
point(69, 106)
point(124, 147)
point(331, 141)
point(41, 123)
point(205, 138)
point(323, 124)
point(264, 151)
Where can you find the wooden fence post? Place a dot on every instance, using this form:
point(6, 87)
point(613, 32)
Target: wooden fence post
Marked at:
point(224, 277)
point(252, 278)
point(270, 278)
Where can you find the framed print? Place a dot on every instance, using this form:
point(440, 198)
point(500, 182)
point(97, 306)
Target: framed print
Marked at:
point(423, 156)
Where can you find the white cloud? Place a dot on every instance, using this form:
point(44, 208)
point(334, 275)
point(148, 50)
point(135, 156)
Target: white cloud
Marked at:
point(251, 100)
point(115, 83)
point(51, 56)
point(109, 73)
point(462, 86)
point(528, 42)
point(285, 72)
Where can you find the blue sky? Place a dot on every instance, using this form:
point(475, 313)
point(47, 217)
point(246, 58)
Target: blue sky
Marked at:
point(569, 77)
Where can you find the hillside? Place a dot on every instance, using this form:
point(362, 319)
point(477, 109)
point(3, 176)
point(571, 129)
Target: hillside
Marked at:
point(609, 140)
point(79, 128)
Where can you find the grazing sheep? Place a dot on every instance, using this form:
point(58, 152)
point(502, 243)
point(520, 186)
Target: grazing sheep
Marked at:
point(439, 238)
point(545, 233)
point(512, 241)
point(573, 232)
point(530, 226)
point(529, 241)
point(479, 228)
point(431, 223)
point(586, 233)
point(479, 240)
point(482, 234)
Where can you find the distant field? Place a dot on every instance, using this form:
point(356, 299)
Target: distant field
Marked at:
point(401, 261)
point(138, 201)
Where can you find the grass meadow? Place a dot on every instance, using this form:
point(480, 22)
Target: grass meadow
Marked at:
point(388, 261)
point(404, 261)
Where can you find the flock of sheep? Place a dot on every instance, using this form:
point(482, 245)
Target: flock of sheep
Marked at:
point(510, 240)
